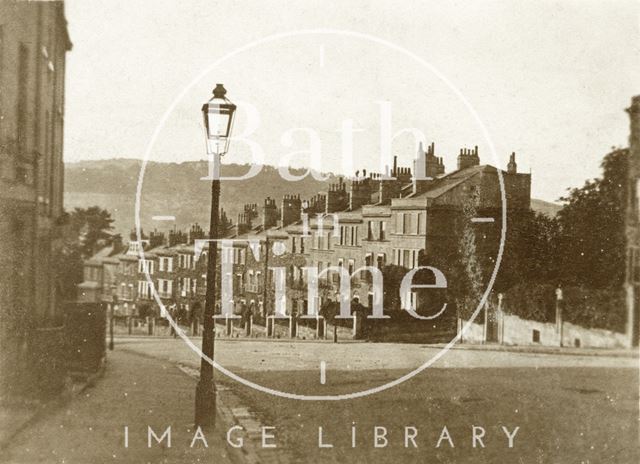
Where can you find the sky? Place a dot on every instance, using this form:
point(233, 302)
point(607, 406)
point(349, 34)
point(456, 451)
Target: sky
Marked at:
point(548, 80)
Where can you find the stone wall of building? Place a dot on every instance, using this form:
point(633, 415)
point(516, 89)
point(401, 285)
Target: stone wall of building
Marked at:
point(34, 41)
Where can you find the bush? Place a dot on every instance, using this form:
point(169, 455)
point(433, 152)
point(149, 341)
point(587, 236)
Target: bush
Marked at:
point(595, 308)
point(534, 302)
point(589, 308)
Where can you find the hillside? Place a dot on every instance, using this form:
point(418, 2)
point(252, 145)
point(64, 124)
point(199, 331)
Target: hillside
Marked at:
point(172, 189)
point(546, 207)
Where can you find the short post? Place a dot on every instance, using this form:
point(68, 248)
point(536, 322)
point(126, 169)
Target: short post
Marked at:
point(292, 327)
point(319, 327)
point(354, 330)
point(229, 325)
point(486, 321)
point(335, 332)
point(559, 322)
point(249, 325)
point(152, 325)
point(500, 318)
point(130, 324)
point(111, 322)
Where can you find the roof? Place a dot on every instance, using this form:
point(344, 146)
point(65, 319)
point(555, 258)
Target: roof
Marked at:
point(445, 183)
point(98, 257)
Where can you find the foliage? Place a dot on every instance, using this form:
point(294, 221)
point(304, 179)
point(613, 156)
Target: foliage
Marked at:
point(582, 247)
point(590, 308)
point(84, 232)
point(92, 226)
point(534, 302)
point(596, 308)
point(530, 250)
point(392, 276)
point(592, 241)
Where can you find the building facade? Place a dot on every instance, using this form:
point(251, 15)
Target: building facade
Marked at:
point(33, 46)
point(354, 229)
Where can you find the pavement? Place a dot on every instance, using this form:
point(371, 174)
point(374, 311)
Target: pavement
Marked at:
point(136, 392)
point(568, 407)
point(541, 349)
point(532, 349)
point(553, 393)
point(259, 355)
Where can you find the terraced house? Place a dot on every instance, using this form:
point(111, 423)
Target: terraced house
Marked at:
point(357, 226)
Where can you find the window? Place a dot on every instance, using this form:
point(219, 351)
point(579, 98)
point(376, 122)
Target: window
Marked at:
point(419, 227)
point(400, 223)
point(185, 261)
point(301, 244)
point(144, 289)
point(382, 225)
point(186, 286)
point(368, 259)
point(194, 286)
point(166, 264)
point(165, 288)
point(406, 224)
point(134, 248)
point(351, 267)
point(406, 258)
point(353, 235)
point(370, 230)
point(145, 266)
point(380, 260)
point(293, 244)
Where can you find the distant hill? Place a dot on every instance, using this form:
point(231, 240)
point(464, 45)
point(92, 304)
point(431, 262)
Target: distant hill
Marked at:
point(172, 189)
point(546, 207)
point(175, 189)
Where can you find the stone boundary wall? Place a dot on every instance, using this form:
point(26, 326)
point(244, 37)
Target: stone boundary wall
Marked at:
point(513, 330)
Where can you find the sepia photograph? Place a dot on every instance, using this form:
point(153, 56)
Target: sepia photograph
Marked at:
point(319, 231)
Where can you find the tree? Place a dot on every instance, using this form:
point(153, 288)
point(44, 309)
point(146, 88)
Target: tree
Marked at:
point(530, 250)
point(92, 226)
point(85, 231)
point(392, 276)
point(592, 244)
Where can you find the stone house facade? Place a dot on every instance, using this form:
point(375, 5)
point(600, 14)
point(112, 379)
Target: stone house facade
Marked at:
point(368, 222)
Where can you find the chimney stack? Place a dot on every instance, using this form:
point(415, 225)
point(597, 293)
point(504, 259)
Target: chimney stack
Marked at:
point(512, 167)
point(291, 209)
point(468, 158)
point(337, 197)
point(269, 213)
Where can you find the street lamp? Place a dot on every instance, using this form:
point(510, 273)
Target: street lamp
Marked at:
point(218, 120)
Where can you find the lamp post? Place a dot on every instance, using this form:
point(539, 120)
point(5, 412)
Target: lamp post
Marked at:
point(559, 321)
point(218, 120)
